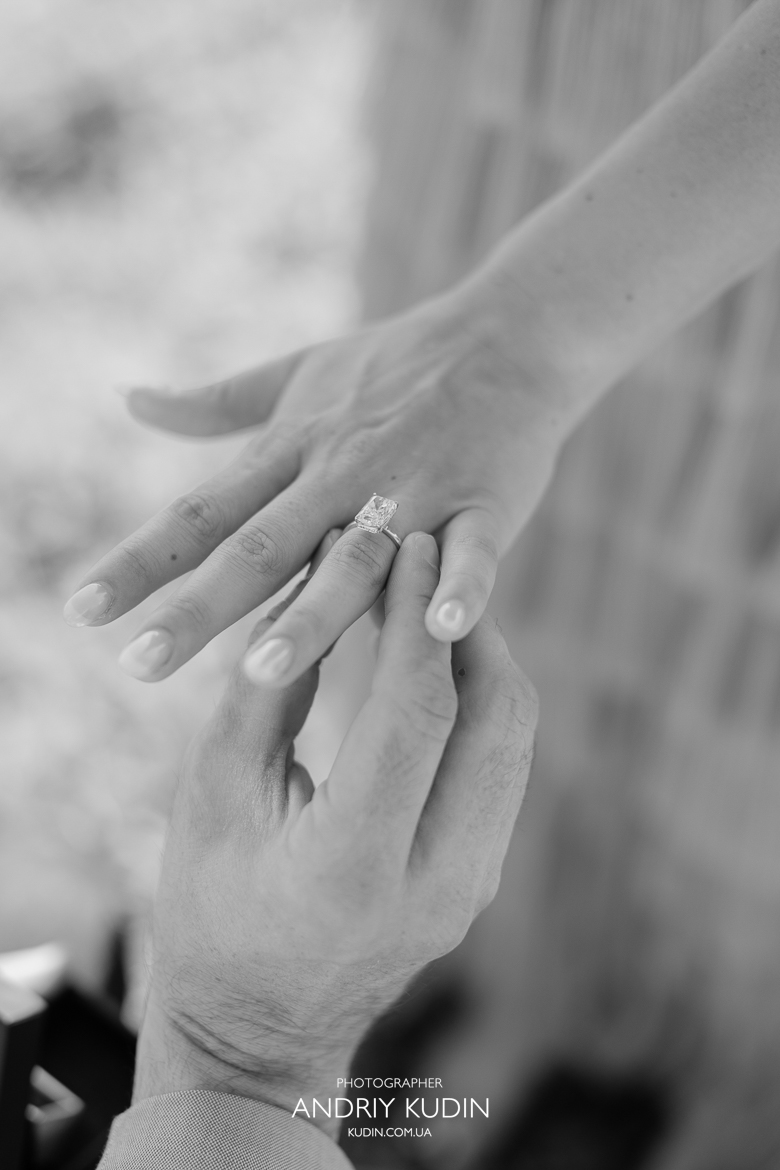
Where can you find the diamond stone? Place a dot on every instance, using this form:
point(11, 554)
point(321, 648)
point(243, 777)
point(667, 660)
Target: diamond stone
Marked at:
point(376, 514)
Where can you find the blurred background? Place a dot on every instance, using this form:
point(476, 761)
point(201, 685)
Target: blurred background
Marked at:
point(180, 193)
point(188, 189)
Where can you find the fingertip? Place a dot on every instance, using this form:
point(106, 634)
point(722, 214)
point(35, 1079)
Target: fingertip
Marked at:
point(148, 405)
point(90, 605)
point(191, 413)
point(147, 394)
point(137, 397)
point(268, 663)
point(448, 619)
point(470, 553)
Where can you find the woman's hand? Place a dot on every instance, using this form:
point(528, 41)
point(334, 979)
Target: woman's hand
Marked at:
point(426, 409)
point(287, 919)
point(458, 409)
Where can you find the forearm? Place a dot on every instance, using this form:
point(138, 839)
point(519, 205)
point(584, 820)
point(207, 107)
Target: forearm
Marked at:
point(683, 205)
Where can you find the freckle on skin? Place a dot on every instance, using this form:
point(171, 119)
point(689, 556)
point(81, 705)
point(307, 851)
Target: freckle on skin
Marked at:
point(462, 671)
point(174, 556)
point(629, 296)
point(588, 196)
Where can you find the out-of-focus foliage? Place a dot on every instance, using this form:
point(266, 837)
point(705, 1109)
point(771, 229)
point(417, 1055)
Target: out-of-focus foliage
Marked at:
point(180, 186)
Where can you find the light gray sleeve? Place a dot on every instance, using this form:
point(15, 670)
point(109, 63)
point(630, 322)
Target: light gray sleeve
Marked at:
point(199, 1130)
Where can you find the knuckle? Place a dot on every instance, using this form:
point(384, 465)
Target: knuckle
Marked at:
point(514, 704)
point(254, 547)
point(488, 892)
point(140, 561)
point(525, 699)
point(504, 766)
point(362, 558)
point(254, 457)
point(200, 514)
point(482, 543)
point(191, 610)
point(450, 914)
point(357, 447)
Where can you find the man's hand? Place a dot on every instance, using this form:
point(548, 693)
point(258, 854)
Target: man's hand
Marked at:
point(423, 409)
point(288, 918)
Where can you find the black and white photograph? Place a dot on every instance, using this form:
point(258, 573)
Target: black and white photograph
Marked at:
point(390, 585)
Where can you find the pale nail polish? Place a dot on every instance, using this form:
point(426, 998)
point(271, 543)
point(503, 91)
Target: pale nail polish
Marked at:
point(451, 616)
point(147, 653)
point(88, 605)
point(268, 662)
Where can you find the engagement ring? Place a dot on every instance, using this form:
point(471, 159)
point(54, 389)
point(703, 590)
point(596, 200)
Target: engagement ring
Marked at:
point(375, 517)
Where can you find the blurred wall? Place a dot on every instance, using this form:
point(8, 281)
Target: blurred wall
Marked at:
point(636, 929)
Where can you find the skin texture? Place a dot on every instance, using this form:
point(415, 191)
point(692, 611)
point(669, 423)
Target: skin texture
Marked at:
point(459, 409)
point(288, 918)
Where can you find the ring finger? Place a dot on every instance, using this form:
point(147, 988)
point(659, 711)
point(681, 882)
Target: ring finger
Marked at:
point(347, 583)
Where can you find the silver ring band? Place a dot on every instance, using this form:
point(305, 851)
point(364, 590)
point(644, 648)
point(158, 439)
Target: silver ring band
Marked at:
point(385, 532)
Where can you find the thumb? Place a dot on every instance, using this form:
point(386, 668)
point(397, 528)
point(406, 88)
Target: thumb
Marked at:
point(244, 400)
point(372, 800)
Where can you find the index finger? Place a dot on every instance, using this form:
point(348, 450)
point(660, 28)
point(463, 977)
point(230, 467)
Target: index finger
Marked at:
point(183, 534)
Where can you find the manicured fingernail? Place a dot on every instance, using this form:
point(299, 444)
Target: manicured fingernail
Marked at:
point(87, 605)
point(451, 616)
point(147, 653)
point(268, 662)
point(428, 549)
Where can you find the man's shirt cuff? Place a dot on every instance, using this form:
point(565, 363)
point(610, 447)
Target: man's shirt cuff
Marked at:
point(200, 1130)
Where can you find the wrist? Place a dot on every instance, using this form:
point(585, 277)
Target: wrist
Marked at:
point(173, 1058)
point(565, 306)
point(536, 357)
